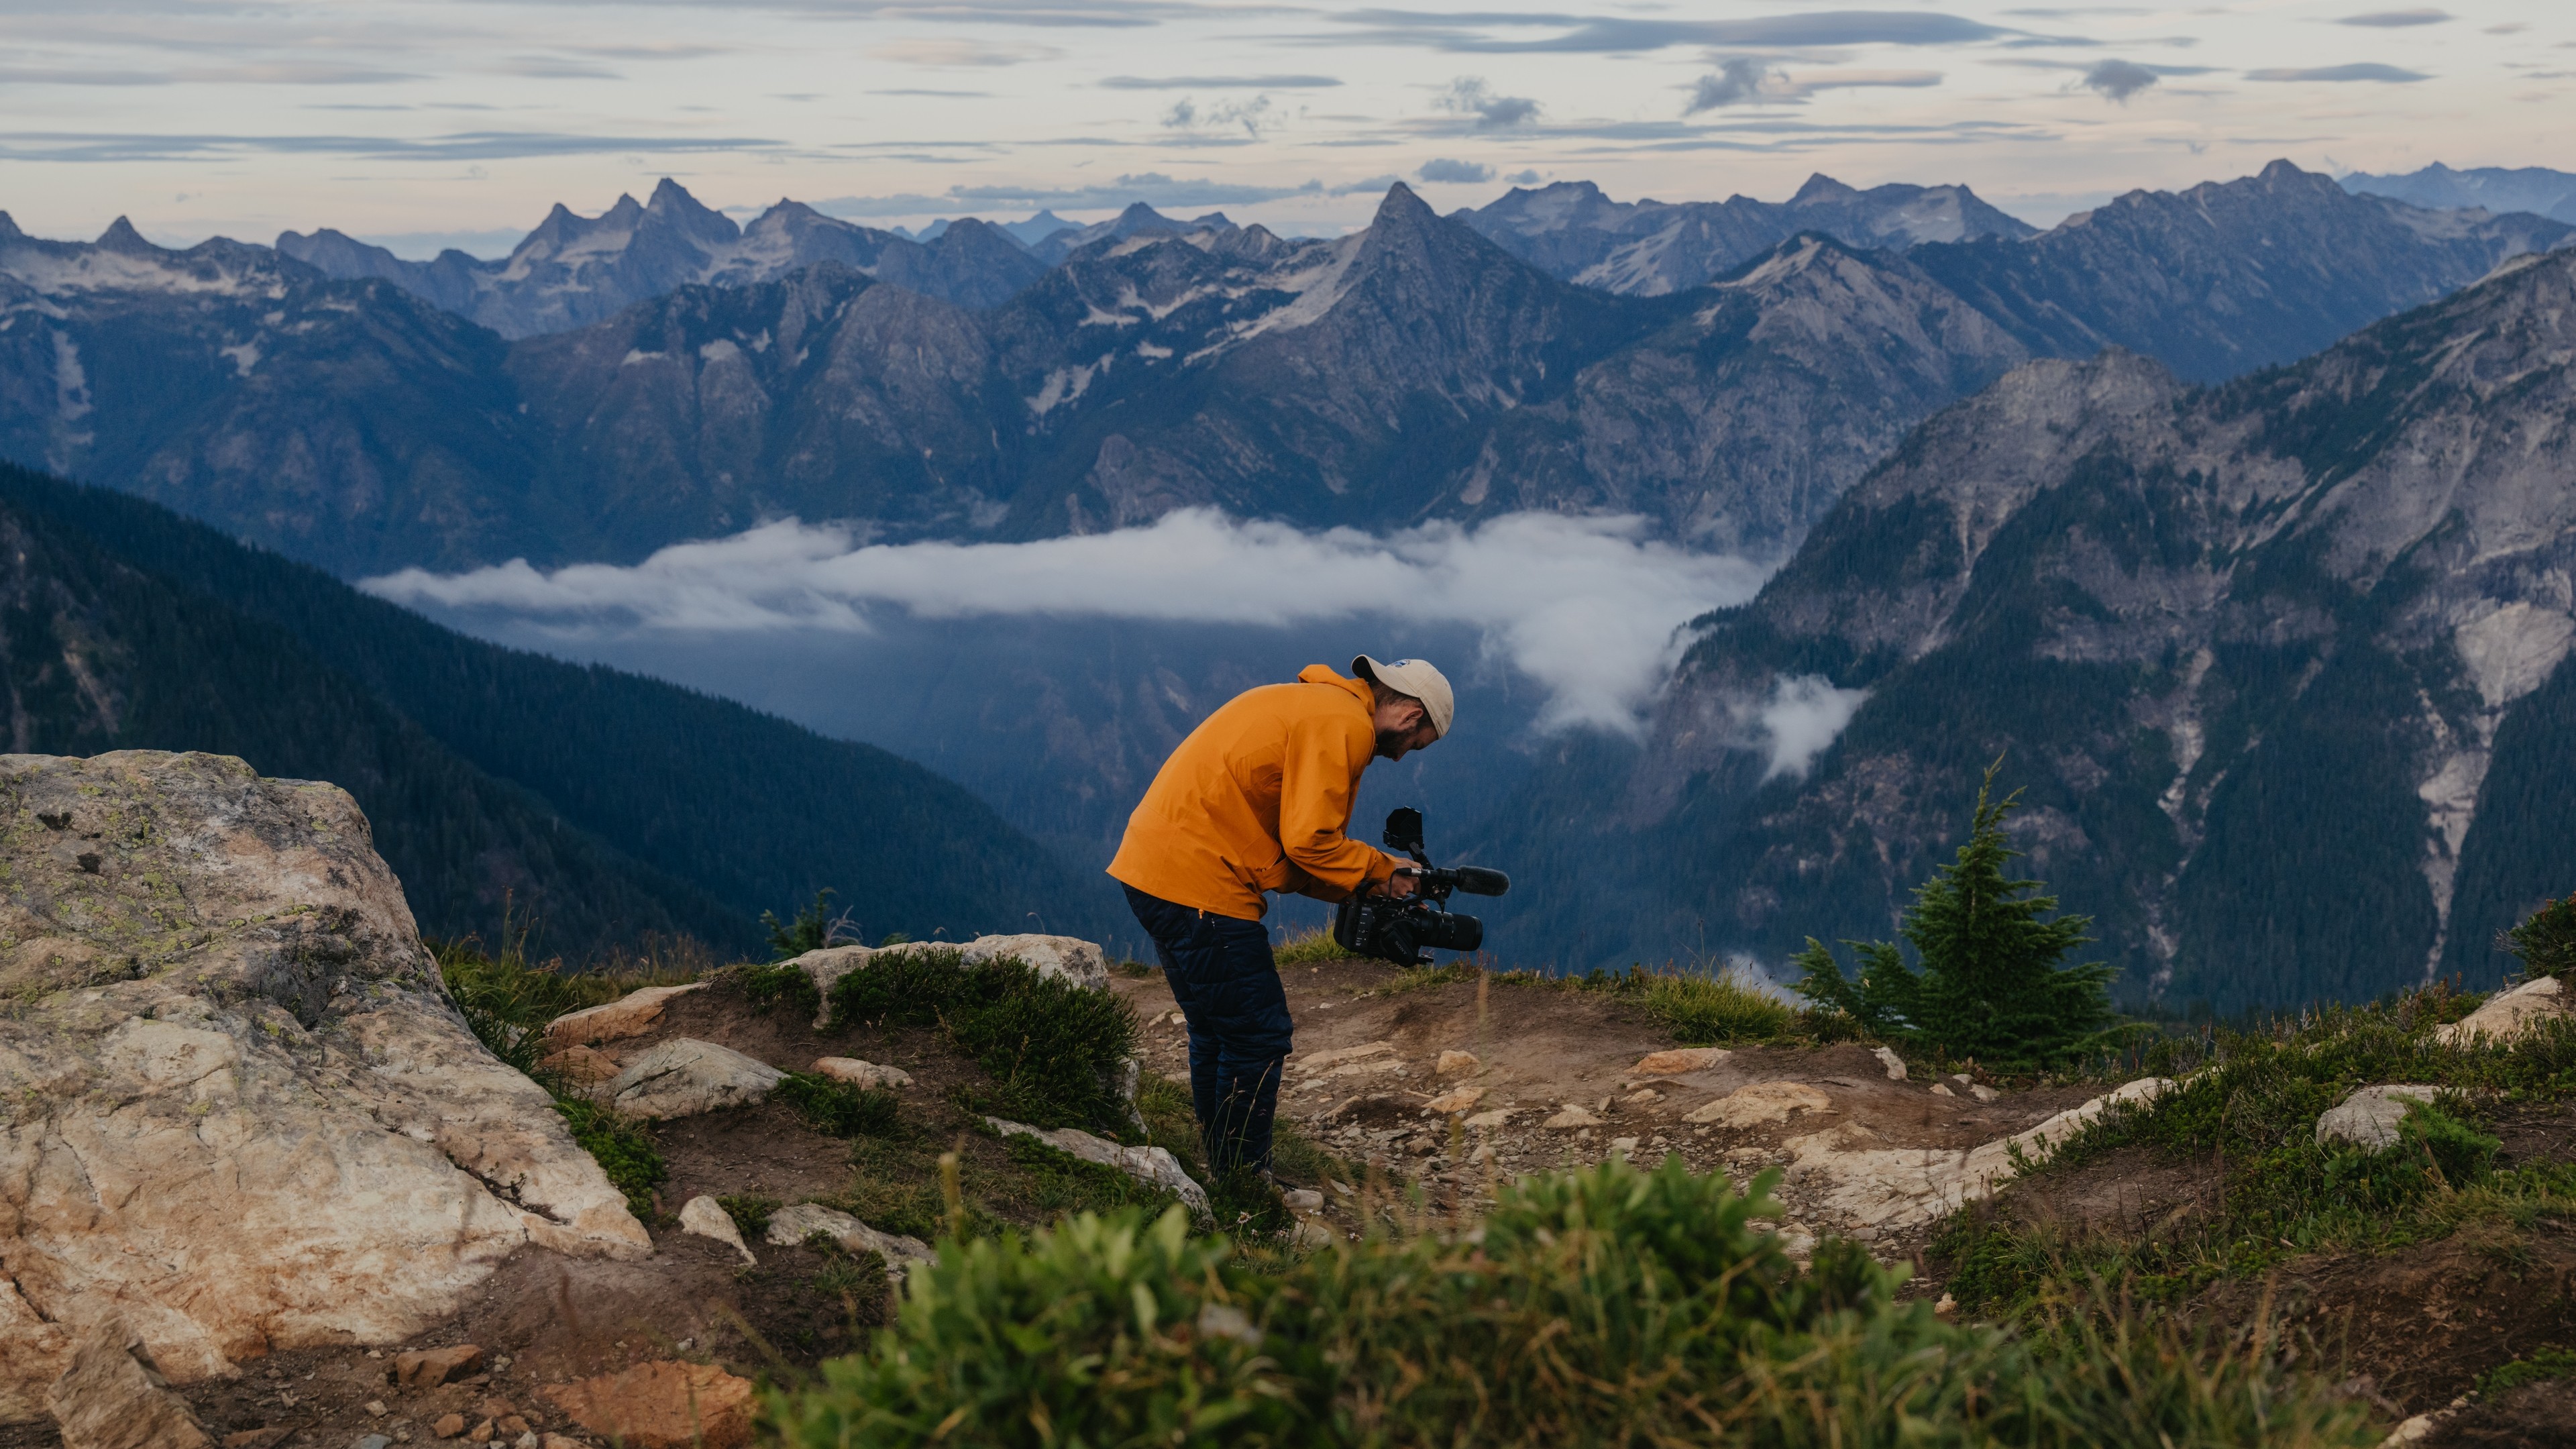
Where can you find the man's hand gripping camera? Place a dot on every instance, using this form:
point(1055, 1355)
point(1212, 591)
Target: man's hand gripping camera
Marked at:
point(1400, 928)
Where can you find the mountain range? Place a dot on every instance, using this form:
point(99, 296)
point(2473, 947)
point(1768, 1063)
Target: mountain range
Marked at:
point(2535, 189)
point(593, 807)
point(1647, 248)
point(572, 271)
point(2278, 665)
point(1408, 371)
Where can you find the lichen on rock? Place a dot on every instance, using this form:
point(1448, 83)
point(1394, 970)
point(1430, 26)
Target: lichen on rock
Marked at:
point(238, 1111)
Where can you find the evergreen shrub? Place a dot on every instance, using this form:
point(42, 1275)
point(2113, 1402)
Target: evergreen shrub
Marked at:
point(1991, 988)
point(810, 929)
point(1609, 1306)
point(840, 1109)
point(1054, 1050)
point(624, 1148)
point(779, 984)
point(2546, 940)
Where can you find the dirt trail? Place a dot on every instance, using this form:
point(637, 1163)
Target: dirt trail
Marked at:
point(1540, 1050)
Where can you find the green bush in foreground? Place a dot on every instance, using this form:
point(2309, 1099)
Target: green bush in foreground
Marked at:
point(1603, 1307)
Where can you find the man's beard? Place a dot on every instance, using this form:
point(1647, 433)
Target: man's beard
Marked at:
point(1389, 741)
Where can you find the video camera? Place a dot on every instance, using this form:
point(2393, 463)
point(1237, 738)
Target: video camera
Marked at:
point(1399, 928)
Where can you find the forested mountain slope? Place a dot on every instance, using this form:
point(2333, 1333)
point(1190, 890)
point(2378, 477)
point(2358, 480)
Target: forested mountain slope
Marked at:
point(2280, 664)
point(605, 804)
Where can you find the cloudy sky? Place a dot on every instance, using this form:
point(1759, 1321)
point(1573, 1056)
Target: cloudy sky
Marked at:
point(416, 121)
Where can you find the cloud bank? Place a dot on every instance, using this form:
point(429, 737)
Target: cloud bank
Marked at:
point(1588, 608)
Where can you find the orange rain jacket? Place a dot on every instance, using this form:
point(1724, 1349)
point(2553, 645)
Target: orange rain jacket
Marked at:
point(1258, 799)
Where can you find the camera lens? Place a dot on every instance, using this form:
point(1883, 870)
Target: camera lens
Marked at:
point(1447, 931)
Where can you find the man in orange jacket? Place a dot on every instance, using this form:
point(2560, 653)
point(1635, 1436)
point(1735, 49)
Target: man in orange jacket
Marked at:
point(1258, 799)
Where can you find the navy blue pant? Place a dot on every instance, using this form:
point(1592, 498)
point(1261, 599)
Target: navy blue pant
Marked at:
point(1228, 988)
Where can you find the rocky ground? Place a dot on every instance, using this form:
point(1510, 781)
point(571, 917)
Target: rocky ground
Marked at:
point(1447, 1087)
point(1458, 1084)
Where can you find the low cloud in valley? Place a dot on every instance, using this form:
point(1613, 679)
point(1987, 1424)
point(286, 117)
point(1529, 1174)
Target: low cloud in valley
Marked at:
point(1590, 608)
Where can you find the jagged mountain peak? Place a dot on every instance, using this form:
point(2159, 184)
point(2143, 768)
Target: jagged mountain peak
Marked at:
point(1401, 205)
point(672, 202)
point(9, 228)
point(121, 236)
point(1820, 187)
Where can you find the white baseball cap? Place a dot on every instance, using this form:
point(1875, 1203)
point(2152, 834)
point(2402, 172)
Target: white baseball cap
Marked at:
point(1418, 679)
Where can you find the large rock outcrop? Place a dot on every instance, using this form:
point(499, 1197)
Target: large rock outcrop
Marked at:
point(2508, 1016)
point(237, 1110)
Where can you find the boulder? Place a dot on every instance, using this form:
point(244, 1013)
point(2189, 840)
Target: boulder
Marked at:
point(861, 1073)
point(1066, 958)
point(1888, 1058)
point(1457, 1100)
point(2368, 1118)
point(707, 1218)
point(580, 1065)
point(1849, 1178)
point(630, 1015)
point(1456, 1064)
point(1155, 1165)
point(1678, 1061)
point(430, 1367)
point(663, 1405)
point(2508, 1015)
point(791, 1225)
point(1573, 1117)
point(1762, 1102)
point(237, 1109)
point(683, 1077)
point(109, 1398)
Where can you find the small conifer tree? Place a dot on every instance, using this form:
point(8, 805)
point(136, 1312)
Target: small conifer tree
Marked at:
point(2546, 941)
point(1990, 987)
